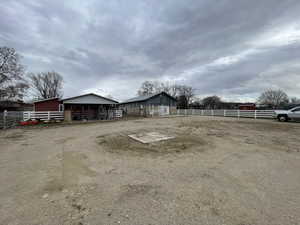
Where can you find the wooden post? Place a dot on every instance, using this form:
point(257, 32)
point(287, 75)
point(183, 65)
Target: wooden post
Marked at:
point(255, 114)
point(224, 112)
point(212, 112)
point(238, 113)
point(4, 119)
point(48, 115)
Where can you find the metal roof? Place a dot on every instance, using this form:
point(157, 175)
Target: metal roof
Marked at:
point(145, 98)
point(84, 99)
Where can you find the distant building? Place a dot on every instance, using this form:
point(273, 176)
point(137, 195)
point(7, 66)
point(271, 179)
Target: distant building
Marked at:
point(149, 105)
point(247, 106)
point(15, 106)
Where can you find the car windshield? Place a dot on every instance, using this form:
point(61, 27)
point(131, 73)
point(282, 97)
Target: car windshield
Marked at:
point(296, 110)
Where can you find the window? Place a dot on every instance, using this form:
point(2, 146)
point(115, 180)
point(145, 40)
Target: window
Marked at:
point(296, 110)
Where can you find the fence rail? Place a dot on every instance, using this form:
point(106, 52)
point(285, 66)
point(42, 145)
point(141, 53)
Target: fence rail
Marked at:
point(256, 114)
point(43, 115)
point(10, 119)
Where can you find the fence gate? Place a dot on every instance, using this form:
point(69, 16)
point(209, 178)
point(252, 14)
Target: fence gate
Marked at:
point(163, 110)
point(10, 119)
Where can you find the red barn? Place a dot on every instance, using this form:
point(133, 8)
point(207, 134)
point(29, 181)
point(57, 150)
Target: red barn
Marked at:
point(50, 104)
point(247, 106)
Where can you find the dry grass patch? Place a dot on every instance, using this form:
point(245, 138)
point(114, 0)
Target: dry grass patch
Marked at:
point(183, 142)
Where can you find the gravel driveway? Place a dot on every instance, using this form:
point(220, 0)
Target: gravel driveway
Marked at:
point(215, 171)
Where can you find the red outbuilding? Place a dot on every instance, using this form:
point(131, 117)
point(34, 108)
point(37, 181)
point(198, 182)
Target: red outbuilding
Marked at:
point(50, 104)
point(247, 106)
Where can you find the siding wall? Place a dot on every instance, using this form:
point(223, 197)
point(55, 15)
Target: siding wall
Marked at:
point(50, 105)
point(161, 100)
point(143, 109)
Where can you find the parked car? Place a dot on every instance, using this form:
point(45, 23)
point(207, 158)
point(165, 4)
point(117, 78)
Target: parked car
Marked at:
point(286, 115)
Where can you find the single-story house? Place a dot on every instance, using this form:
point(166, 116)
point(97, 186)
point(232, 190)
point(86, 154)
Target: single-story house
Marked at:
point(88, 106)
point(149, 105)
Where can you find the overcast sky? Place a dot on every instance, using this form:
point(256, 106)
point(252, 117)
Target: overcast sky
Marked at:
point(235, 49)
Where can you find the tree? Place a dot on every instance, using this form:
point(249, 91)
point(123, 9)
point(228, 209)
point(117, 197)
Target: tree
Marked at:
point(12, 82)
point(46, 85)
point(183, 93)
point(211, 102)
point(187, 92)
point(147, 88)
point(182, 102)
point(273, 98)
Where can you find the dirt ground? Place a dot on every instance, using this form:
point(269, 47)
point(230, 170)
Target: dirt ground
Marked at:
point(215, 171)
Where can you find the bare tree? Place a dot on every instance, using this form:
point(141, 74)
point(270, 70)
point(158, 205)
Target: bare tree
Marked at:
point(153, 87)
point(46, 85)
point(183, 93)
point(12, 82)
point(211, 102)
point(147, 88)
point(187, 92)
point(273, 98)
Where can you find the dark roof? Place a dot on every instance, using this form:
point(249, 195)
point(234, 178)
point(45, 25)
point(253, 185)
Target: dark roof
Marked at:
point(146, 97)
point(247, 104)
point(47, 99)
point(90, 94)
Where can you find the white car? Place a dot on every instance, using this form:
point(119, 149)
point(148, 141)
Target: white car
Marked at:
point(286, 115)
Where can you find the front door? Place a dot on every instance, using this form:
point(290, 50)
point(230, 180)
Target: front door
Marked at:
point(92, 112)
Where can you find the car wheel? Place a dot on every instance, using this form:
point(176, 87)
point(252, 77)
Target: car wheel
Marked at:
point(282, 118)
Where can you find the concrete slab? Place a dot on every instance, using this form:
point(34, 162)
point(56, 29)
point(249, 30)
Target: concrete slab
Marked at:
point(150, 137)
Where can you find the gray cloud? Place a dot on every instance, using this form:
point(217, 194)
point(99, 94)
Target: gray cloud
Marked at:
point(233, 49)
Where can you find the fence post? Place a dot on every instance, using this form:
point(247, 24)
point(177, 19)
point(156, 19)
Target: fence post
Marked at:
point(212, 112)
point(224, 112)
point(4, 119)
point(238, 113)
point(255, 114)
point(48, 115)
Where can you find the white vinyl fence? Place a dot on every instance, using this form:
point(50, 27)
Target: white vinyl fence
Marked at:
point(43, 115)
point(160, 110)
point(13, 118)
point(118, 114)
point(256, 114)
